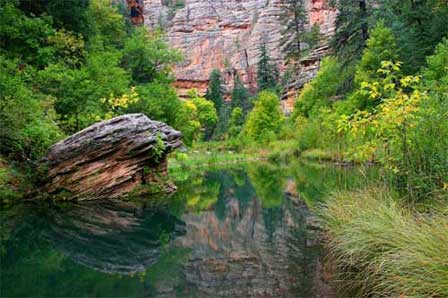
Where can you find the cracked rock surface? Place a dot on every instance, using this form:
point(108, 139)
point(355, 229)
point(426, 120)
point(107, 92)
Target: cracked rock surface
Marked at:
point(112, 158)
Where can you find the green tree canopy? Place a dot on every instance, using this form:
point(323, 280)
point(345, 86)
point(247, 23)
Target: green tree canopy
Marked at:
point(318, 92)
point(148, 57)
point(266, 119)
point(236, 122)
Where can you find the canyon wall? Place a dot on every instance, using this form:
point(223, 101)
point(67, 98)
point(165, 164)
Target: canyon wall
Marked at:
point(227, 34)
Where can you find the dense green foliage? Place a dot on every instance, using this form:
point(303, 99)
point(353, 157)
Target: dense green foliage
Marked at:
point(389, 117)
point(26, 119)
point(67, 80)
point(236, 122)
point(148, 57)
point(266, 119)
point(418, 25)
point(64, 67)
point(240, 95)
point(352, 24)
point(382, 98)
point(319, 92)
point(215, 94)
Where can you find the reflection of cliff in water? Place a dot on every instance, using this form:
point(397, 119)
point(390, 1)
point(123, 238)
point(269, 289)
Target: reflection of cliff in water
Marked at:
point(113, 237)
point(240, 249)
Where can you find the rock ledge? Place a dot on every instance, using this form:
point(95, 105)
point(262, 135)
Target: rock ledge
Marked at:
point(112, 158)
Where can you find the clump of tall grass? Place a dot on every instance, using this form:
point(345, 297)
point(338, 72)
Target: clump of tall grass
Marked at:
point(383, 249)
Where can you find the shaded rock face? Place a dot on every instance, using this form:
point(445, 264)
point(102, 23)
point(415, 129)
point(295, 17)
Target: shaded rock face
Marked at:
point(227, 35)
point(112, 158)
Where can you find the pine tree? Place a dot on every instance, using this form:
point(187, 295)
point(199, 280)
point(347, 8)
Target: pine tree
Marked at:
point(240, 95)
point(214, 91)
point(295, 16)
point(223, 120)
point(267, 74)
point(351, 28)
point(419, 27)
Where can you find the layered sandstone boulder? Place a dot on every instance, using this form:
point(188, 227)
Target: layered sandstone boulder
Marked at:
point(112, 158)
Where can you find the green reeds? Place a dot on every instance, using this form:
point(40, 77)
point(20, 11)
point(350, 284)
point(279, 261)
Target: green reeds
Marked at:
point(382, 249)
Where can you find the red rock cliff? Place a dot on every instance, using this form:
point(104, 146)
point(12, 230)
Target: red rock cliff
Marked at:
point(227, 35)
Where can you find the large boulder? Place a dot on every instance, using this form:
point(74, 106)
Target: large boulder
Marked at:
point(112, 158)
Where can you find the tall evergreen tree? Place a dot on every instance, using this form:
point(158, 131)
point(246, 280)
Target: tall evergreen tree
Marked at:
point(240, 95)
point(214, 90)
point(223, 120)
point(351, 28)
point(267, 74)
point(418, 25)
point(295, 16)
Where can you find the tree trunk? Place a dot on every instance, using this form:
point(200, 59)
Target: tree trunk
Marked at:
point(364, 21)
point(297, 27)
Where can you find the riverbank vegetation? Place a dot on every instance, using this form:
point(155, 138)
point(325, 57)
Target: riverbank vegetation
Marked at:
point(383, 248)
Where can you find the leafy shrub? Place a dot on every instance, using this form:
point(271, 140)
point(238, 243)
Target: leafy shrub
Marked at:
point(158, 101)
point(26, 119)
point(319, 91)
point(381, 46)
point(266, 119)
point(197, 116)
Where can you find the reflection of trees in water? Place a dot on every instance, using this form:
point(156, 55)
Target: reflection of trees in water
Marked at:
point(255, 241)
point(213, 189)
point(196, 193)
point(234, 185)
point(315, 181)
point(268, 182)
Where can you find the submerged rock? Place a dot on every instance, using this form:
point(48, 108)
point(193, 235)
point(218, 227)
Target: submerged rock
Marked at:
point(112, 158)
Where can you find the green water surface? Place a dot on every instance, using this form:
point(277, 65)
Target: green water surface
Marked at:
point(237, 231)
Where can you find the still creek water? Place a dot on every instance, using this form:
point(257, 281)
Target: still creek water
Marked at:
point(241, 231)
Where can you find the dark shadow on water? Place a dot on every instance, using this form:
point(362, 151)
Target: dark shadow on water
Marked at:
point(113, 237)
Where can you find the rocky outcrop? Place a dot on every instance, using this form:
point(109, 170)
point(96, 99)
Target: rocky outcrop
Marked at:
point(112, 158)
point(227, 35)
